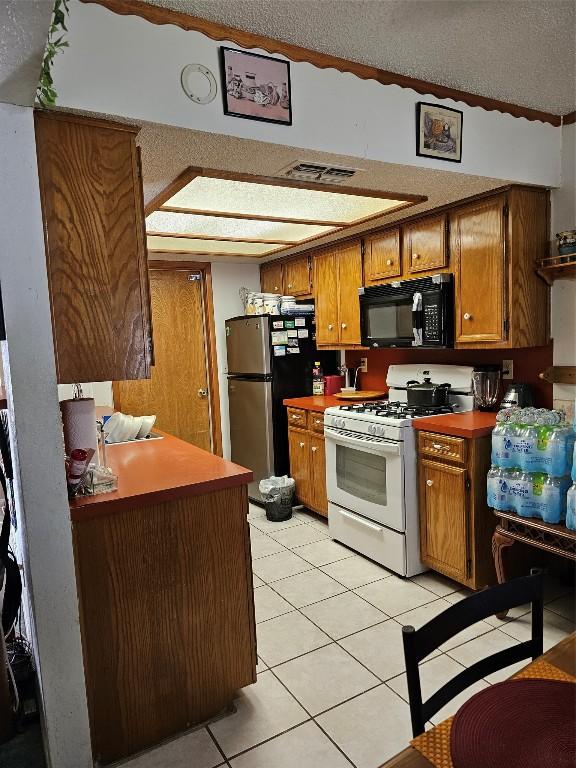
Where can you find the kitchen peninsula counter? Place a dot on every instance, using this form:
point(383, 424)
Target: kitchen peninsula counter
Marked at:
point(156, 470)
point(164, 576)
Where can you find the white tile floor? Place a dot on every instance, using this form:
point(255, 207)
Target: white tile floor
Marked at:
point(331, 690)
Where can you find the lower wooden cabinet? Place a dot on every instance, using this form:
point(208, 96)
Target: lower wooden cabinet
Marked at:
point(456, 525)
point(308, 461)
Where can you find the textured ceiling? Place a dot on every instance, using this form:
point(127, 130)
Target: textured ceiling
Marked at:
point(167, 151)
point(23, 32)
point(520, 51)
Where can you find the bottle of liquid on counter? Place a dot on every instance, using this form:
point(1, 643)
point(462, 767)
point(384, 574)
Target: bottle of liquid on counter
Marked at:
point(317, 379)
point(571, 508)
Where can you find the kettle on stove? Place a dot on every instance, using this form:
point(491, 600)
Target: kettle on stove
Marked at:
point(517, 396)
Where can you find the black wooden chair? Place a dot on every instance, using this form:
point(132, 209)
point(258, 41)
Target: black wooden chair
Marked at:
point(419, 643)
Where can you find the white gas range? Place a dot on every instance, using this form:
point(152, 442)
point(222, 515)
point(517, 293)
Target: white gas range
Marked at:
point(371, 467)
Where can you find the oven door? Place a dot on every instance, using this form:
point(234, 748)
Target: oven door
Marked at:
point(365, 474)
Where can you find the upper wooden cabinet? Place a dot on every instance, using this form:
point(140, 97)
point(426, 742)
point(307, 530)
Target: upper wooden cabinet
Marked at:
point(290, 278)
point(297, 277)
point(500, 300)
point(271, 277)
point(337, 276)
point(478, 250)
point(425, 244)
point(382, 257)
point(91, 192)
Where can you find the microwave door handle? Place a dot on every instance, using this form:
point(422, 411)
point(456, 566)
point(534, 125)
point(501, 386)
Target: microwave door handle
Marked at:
point(417, 320)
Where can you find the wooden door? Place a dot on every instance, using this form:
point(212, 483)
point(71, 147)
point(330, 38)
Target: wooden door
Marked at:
point(90, 189)
point(271, 278)
point(478, 245)
point(444, 518)
point(177, 391)
point(299, 449)
point(349, 259)
point(326, 291)
point(318, 469)
point(382, 257)
point(297, 277)
point(425, 244)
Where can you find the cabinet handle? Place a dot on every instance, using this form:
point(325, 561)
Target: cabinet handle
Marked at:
point(344, 326)
point(314, 449)
point(289, 285)
point(416, 256)
point(389, 262)
point(439, 447)
point(318, 421)
point(429, 482)
point(467, 316)
point(276, 288)
point(302, 445)
point(330, 327)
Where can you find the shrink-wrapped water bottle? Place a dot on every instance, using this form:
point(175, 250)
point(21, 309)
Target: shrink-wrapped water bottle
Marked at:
point(571, 508)
point(574, 463)
point(554, 499)
point(530, 499)
point(502, 438)
point(560, 449)
point(497, 489)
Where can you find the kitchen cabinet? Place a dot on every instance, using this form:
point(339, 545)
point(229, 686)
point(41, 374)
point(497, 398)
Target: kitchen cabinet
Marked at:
point(337, 276)
point(425, 245)
point(308, 458)
point(91, 194)
point(456, 525)
point(271, 277)
point(499, 299)
point(382, 257)
point(290, 277)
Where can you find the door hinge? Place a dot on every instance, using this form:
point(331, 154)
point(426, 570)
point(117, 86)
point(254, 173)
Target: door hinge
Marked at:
point(468, 568)
point(505, 209)
point(468, 484)
point(362, 248)
point(506, 325)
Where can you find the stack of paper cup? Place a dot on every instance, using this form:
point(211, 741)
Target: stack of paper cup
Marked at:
point(79, 420)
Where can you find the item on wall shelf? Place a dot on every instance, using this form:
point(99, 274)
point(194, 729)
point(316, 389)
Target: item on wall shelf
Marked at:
point(566, 242)
point(255, 87)
point(195, 78)
point(438, 132)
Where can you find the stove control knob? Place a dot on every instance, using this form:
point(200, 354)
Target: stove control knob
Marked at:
point(371, 429)
point(380, 431)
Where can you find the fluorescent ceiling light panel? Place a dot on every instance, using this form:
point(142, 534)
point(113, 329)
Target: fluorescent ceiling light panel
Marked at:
point(213, 226)
point(192, 245)
point(241, 197)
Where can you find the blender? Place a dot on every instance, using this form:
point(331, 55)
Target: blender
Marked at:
point(486, 386)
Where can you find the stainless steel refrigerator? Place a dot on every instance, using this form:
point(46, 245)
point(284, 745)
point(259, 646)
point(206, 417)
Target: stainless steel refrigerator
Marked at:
point(270, 358)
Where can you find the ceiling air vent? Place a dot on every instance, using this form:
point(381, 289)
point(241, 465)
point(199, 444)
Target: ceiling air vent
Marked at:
point(323, 174)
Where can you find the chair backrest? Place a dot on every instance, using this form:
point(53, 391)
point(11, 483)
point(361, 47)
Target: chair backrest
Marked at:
point(419, 643)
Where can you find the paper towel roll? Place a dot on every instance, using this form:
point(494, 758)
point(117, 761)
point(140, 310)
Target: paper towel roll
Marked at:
point(79, 420)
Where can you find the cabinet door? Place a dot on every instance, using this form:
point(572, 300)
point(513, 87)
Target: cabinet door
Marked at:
point(95, 250)
point(425, 244)
point(299, 448)
point(318, 466)
point(297, 277)
point(349, 280)
point(444, 518)
point(382, 257)
point(271, 278)
point(326, 291)
point(478, 246)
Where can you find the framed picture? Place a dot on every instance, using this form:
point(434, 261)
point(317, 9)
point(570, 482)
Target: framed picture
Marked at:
point(438, 132)
point(255, 87)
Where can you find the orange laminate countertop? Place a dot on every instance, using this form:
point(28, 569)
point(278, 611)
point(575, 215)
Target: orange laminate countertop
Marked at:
point(154, 471)
point(317, 403)
point(469, 424)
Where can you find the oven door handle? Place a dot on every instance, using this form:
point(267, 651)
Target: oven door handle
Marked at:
point(359, 521)
point(369, 446)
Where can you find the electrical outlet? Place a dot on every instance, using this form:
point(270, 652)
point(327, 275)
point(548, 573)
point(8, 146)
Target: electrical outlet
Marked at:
point(507, 369)
point(363, 365)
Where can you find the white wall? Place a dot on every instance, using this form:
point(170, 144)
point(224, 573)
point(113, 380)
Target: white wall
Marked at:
point(564, 291)
point(138, 76)
point(45, 536)
point(226, 280)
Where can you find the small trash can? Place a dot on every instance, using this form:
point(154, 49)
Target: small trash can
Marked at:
point(278, 493)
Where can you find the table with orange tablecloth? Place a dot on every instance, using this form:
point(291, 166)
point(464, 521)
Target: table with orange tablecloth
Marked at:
point(562, 657)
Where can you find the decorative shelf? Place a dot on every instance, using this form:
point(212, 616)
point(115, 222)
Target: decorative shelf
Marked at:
point(558, 267)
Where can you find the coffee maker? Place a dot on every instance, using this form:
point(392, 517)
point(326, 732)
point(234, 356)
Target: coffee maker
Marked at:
point(517, 396)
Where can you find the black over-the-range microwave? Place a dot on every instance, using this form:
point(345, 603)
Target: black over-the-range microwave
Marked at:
point(409, 313)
